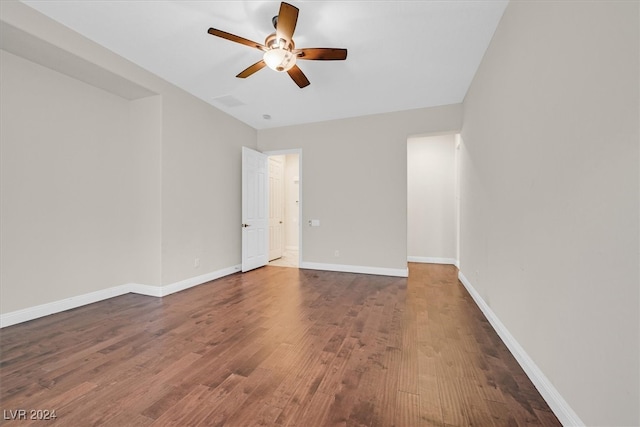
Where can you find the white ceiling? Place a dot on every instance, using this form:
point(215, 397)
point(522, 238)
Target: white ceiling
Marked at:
point(401, 54)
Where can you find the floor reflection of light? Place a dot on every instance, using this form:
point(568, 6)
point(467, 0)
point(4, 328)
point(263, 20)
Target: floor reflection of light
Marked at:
point(283, 312)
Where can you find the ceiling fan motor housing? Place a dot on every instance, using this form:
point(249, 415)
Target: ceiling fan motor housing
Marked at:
point(273, 42)
point(280, 56)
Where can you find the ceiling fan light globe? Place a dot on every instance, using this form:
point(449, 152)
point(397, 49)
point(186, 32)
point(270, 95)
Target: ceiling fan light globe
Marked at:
point(279, 59)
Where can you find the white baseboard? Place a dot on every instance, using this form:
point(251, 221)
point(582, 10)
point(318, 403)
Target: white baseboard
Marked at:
point(432, 260)
point(31, 313)
point(198, 280)
point(397, 272)
point(556, 402)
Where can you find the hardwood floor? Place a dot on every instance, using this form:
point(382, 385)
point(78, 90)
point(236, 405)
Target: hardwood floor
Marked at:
point(277, 347)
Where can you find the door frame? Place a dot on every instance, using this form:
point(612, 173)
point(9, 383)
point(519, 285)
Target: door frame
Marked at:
point(457, 203)
point(297, 151)
point(275, 170)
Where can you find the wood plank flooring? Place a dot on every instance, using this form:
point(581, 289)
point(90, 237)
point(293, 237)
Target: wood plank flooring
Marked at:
point(275, 347)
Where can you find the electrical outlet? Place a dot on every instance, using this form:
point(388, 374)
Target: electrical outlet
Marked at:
point(336, 253)
point(196, 263)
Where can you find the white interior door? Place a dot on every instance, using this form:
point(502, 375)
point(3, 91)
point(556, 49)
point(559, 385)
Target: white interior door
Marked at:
point(276, 207)
point(255, 209)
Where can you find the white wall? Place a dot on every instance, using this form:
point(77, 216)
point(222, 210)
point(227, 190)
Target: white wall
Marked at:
point(355, 182)
point(145, 136)
point(201, 186)
point(431, 191)
point(79, 212)
point(100, 191)
point(291, 195)
point(550, 197)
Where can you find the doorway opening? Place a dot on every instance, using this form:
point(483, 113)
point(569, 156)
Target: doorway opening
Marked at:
point(284, 208)
point(433, 199)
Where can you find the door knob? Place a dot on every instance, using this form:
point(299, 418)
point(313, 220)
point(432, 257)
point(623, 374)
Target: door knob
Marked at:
point(245, 225)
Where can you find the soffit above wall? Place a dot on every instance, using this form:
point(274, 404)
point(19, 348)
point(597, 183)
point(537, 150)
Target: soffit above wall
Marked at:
point(23, 44)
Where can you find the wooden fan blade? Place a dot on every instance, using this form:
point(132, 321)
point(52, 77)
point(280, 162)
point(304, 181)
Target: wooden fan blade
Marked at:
point(287, 19)
point(252, 69)
point(322, 54)
point(237, 39)
point(298, 76)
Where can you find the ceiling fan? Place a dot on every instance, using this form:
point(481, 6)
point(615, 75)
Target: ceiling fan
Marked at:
point(280, 53)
